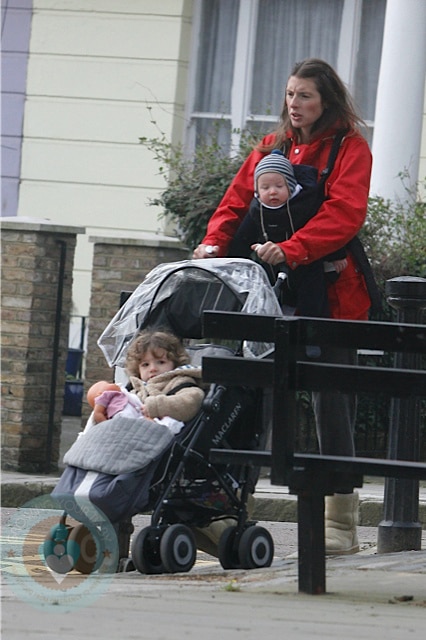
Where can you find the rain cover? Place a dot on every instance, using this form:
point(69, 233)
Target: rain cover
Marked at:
point(174, 295)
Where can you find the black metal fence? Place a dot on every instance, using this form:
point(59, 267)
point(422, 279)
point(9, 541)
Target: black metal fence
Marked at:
point(373, 410)
point(371, 428)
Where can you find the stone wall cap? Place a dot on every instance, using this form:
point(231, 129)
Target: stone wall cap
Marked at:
point(135, 239)
point(27, 223)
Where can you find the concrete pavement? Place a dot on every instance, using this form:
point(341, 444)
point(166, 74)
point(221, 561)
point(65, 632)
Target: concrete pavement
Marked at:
point(364, 603)
point(369, 596)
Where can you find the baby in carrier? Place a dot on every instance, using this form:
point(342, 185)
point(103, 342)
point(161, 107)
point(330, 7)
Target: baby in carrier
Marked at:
point(275, 213)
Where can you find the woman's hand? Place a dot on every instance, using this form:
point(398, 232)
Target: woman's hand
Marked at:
point(340, 265)
point(205, 251)
point(269, 252)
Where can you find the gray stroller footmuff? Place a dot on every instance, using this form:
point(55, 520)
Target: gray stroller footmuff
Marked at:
point(119, 445)
point(112, 463)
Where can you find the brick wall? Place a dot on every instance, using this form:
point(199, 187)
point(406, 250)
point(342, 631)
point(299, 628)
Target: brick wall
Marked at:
point(37, 264)
point(118, 265)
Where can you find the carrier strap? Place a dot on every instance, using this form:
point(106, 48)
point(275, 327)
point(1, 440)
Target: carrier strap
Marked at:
point(355, 245)
point(338, 139)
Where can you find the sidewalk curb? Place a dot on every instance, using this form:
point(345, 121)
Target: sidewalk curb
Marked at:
point(266, 508)
point(16, 494)
point(285, 510)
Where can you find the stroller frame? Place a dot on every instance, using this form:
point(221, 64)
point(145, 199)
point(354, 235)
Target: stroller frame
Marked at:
point(179, 514)
point(153, 550)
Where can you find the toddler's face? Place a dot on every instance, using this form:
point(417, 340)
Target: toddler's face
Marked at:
point(272, 189)
point(152, 364)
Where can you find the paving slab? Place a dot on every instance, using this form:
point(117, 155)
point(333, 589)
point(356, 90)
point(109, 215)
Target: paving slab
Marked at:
point(368, 598)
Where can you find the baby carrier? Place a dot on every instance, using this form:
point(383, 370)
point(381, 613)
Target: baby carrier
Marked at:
point(279, 225)
point(125, 471)
point(304, 288)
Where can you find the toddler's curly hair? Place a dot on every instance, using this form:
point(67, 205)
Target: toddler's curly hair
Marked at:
point(155, 341)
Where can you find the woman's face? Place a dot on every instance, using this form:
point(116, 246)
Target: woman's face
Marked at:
point(304, 104)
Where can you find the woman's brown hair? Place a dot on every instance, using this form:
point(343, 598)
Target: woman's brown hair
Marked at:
point(339, 108)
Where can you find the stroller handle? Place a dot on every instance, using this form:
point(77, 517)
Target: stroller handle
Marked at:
point(282, 275)
point(212, 401)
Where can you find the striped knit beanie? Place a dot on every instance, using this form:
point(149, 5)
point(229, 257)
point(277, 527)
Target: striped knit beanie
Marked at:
point(276, 162)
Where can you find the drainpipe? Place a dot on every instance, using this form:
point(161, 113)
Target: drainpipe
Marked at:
point(55, 354)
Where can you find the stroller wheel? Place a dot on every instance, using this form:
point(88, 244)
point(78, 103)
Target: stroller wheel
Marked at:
point(256, 548)
point(178, 549)
point(85, 546)
point(227, 550)
point(55, 551)
point(145, 551)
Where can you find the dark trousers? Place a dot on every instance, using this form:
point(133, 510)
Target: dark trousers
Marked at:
point(335, 412)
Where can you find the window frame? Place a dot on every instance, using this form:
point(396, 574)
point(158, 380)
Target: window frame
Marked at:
point(240, 116)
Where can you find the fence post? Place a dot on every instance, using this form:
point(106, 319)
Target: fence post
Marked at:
point(400, 530)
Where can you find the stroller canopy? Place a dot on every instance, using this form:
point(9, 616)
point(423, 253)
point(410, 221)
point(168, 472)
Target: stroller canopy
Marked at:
point(174, 296)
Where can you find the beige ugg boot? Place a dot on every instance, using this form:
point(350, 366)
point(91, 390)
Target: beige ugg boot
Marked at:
point(207, 538)
point(341, 519)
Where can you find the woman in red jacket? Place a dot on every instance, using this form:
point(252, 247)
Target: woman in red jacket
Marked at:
point(316, 106)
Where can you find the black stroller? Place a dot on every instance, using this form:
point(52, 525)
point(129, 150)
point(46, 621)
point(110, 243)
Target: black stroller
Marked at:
point(185, 493)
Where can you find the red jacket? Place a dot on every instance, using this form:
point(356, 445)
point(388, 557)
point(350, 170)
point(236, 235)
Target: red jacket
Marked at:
point(338, 220)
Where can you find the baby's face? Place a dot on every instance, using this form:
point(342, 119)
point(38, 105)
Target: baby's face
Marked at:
point(152, 364)
point(272, 189)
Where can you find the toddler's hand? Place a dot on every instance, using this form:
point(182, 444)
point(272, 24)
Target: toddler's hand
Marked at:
point(145, 412)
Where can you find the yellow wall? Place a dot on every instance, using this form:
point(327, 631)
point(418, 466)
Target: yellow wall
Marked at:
point(95, 67)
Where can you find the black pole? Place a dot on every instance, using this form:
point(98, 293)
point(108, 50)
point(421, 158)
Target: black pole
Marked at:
point(55, 354)
point(400, 530)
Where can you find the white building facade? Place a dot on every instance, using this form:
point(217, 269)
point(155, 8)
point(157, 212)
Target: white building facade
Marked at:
point(86, 79)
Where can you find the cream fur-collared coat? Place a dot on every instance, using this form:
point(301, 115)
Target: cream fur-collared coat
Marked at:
point(177, 393)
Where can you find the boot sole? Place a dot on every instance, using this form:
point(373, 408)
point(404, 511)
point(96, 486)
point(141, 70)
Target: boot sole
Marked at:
point(346, 552)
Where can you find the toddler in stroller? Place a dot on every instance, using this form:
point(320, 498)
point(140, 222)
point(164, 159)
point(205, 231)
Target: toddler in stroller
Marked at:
point(163, 386)
point(192, 501)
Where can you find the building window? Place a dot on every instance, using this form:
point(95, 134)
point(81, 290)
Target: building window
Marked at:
point(245, 49)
